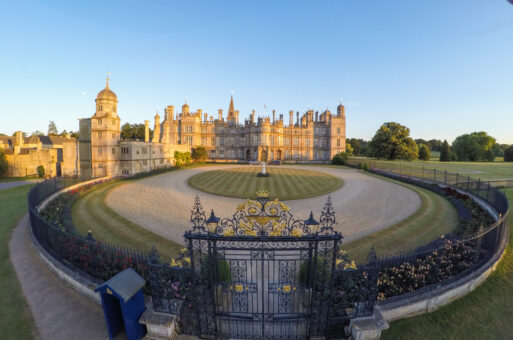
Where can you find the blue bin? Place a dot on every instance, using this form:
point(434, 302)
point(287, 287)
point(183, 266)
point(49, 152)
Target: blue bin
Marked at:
point(123, 304)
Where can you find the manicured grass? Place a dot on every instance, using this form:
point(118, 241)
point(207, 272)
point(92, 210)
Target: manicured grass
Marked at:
point(486, 313)
point(16, 320)
point(284, 183)
point(482, 170)
point(436, 216)
point(89, 212)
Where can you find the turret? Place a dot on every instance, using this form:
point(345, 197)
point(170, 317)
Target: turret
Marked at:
point(220, 112)
point(156, 129)
point(146, 130)
point(341, 110)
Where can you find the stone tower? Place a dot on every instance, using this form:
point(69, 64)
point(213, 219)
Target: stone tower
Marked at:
point(105, 134)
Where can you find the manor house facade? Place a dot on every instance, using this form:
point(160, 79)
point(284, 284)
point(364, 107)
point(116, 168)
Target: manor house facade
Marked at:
point(312, 138)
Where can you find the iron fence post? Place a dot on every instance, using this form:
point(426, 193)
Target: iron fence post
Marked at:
point(445, 178)
point(434, 176)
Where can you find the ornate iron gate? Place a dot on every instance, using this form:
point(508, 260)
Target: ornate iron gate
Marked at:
point(261, 273)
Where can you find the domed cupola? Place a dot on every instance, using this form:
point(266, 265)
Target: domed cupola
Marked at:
point(107, 94)
point(185, 108)
point(341, 110)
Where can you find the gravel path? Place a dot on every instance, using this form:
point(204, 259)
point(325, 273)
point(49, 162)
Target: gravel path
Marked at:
point(363, 205)
point(59, 312)
point(8, 185)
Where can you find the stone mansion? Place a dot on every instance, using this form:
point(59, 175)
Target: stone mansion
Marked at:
point(312, 138)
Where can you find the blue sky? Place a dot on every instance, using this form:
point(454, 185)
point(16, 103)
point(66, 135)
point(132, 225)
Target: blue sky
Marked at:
point(442, 68)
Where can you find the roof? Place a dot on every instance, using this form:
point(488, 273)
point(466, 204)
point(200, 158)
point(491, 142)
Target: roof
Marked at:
point(34, 139)
point(124, 284)
point(52, 140)
point(7, 140)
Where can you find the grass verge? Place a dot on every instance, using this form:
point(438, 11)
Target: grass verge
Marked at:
point(436, 216)
point(485, 313)
point(90, 212)
point(16, 320)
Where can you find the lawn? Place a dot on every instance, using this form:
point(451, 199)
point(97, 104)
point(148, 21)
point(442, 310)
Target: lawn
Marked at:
point(486, 313)
point(16, 179)
point(284, 183)
point(89, 212)
point(436, 216)
point(15, 317)
point(482, 170)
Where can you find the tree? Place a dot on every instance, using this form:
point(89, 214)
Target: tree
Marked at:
point(199, 154)
point(349, 149)
point(3, 163)
point(52, 129)
point(393, 141)
point(435, 144)
point(508, 154)
point(477, 146)
point(38, 133)
point(134, 131)
point(445, 152)
point(424, 153)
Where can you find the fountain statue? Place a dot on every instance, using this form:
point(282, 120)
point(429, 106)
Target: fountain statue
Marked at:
point(263, 173)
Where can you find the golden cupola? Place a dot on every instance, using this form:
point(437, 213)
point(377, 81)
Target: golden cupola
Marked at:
point(107, 93)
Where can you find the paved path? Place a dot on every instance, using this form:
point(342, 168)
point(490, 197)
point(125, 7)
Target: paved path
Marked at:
point(60, 313)
point(363, 205)
point(7, 185)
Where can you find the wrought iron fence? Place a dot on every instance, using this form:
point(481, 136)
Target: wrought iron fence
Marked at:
point(443, 261)
point(352, 291)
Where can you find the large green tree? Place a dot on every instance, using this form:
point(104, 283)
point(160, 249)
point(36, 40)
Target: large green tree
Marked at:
point(393, 141)
point(508, 154)
point(424, 153)
point(3, 163)
point(476, 146)
point(133, 131)
point(445, 152)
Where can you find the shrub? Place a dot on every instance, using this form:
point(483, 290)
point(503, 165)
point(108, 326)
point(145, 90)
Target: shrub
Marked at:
point(321, 268)
point(340, 158)
point(224, 273)
point(40, 171)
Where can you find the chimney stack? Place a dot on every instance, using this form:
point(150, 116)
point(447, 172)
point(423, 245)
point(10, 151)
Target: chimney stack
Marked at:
point(274, 116)
point(291, 118)
point(220, 115)
point(297, 117)
point(146, 130)
point(205, 117)
point(252, 116)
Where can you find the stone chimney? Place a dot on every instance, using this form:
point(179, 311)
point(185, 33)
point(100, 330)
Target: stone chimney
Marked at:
point(170, 112)
point(274, 116)
point(156, 129)
point(252, 117)
point(281, 118)
point(146, 130)
point(220, 115)
point(237, 116)
point(205, 117)
point(19, 138)
point(291, 118)
point(316, 116)
point(297, 118)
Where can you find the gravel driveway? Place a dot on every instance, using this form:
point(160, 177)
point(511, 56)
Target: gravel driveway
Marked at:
point(162, 203)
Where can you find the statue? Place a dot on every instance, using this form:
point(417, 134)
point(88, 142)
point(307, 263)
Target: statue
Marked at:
point(263, 168)
point(263, 173)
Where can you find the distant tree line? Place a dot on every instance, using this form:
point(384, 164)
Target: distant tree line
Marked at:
point(393, 141)
point(134, 131)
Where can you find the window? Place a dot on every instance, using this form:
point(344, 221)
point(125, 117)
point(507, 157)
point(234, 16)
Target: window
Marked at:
point(145, 162)
point(100, 151)
point(307, 142)
point(99, 122)
point(113, 151)
point(338, 131)
point(338, 142)
point(296, 141)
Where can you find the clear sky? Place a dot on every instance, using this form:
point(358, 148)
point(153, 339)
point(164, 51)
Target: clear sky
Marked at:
point(442, 68)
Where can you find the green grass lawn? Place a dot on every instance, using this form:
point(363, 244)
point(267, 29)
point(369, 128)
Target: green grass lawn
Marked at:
point(15, 317)
point(436, 216)
point(89, 212)
point(284, 183)
point(482, 170)
point(486, 313)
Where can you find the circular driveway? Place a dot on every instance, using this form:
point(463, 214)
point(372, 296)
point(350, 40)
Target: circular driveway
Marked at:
point(363, 205)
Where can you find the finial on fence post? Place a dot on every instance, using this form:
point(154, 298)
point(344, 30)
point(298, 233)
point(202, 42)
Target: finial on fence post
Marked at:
point(90, 236)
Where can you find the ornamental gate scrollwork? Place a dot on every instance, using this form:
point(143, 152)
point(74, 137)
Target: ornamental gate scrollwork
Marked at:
point(261, 273)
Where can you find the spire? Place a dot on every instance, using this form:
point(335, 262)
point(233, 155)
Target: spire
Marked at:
point(231, 110)
point(107, 86)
